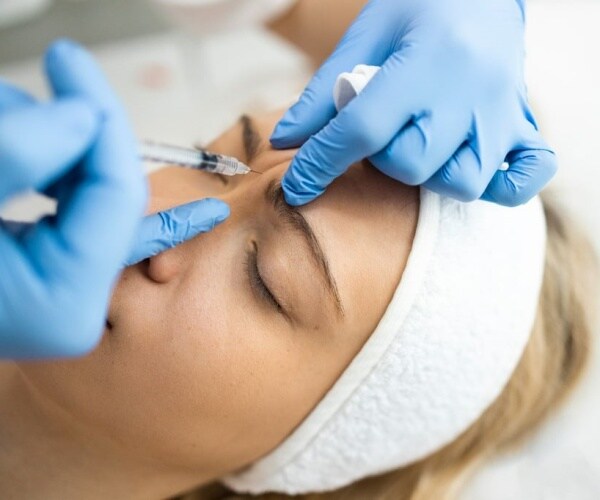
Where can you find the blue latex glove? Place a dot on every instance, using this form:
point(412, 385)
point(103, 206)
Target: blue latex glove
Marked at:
point(57, 274)
point(446, 110)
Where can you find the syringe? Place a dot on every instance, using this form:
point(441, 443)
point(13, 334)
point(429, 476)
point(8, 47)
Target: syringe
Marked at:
point(192, 158)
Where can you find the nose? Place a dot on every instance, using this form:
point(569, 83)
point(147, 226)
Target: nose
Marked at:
point(166, 266)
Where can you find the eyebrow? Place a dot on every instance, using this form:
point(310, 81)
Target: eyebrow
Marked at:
point(251, 138)
point(274, 196)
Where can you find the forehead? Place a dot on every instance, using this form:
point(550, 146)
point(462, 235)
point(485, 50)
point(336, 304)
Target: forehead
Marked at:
point(366, 221)
point(361, 193)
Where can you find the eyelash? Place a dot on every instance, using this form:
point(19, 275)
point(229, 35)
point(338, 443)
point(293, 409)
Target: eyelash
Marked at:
point(256, 281)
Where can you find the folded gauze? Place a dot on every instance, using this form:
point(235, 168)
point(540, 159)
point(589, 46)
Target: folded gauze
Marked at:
point(441, 354)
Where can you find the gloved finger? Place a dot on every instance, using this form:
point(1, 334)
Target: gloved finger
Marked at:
point(39, 143)
point(531, 165)
point(465, 176)
point(315, 107)
point(361, 129)
point(11, 96)
point(165, 230)
point(423, 146)
point(72, 71)
point(98, 219)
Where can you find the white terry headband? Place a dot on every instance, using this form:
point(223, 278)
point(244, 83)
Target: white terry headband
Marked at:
point(443, 351)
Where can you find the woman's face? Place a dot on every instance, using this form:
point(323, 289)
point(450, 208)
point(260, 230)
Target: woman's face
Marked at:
point(220, 347)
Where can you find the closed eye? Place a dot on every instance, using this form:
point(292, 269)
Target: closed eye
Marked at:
point(257, 283)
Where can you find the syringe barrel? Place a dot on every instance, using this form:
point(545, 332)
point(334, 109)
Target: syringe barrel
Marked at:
point(191, 158)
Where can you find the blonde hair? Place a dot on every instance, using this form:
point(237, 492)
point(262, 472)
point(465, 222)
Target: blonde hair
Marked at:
point(550, 367)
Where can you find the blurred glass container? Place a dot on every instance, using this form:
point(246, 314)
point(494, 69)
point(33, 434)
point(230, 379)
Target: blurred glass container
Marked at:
point(17, 11)
point(203, 17)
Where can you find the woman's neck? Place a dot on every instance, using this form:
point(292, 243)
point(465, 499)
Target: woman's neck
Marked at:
point(45, 453)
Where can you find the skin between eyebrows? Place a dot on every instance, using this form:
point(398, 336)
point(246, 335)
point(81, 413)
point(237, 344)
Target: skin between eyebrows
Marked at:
point(291, 215)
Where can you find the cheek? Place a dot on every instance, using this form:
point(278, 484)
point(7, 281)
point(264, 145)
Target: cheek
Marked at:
point(194, 364)
point(184, 373)
point(229, 373)
point(158, 382)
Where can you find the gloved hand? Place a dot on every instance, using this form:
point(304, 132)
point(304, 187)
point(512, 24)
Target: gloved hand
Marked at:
point(57, 274)
point(446, 110)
